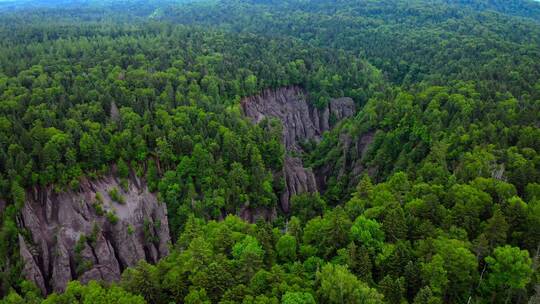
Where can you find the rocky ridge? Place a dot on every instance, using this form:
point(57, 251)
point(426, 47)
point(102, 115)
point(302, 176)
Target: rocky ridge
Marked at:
point(301, 122)
point(90, 235)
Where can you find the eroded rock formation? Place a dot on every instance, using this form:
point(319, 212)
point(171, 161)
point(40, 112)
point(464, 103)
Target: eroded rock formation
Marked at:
point(350, 163)
point(85, 235)
point(301, 122)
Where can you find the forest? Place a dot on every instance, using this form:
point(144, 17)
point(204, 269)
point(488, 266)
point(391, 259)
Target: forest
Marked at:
point(442, 207)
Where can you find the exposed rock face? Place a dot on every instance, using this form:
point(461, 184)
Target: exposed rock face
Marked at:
point(297, 180)
point(301, 122)
point(254, 214)
point(31, 269)
point(115, 113)
point(352, 151)
point(58, 252)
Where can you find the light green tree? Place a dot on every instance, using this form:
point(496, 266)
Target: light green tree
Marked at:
point(297, 298)
point(286, 248)
point(338, 285)
point(368, 233)
point(509, 270)
point(435, 275)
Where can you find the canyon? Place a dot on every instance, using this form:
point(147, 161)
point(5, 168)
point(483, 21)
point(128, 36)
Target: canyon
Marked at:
point(108, 224)
point(302, 122)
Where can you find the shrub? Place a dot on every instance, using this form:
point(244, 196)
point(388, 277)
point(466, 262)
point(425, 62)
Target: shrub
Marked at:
point(112, 218)
point(116, 196)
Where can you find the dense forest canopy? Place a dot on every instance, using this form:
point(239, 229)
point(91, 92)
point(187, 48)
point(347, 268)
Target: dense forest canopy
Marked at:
point(445, 208)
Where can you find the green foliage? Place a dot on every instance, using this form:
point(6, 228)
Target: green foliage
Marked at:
point(122, 169)
point(425, 296)
point(93, 293)
point(98, 205)
point(367, 232)
point(18, 195)
point(112, 217)
point(297, 298)
point(116, 196)
point(393, 289)
point(286, 248)
point(338, 285)
point(306, 206)
point(460, 266)
point(29, 294)
point(509, 270)
point(435, 274)
point(81, 265)
point(249, 255)
point(329, 233)
point(130, 229)
point(149, 232)
point(197, 297)
point(447, 94)
point(143, 279)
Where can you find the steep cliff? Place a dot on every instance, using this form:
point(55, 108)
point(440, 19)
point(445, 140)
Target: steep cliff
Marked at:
point(91, 234)
point(301, 122)
point(347, 164)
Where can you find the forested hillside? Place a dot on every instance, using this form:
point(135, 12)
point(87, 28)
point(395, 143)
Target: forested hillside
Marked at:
point(429, 193)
